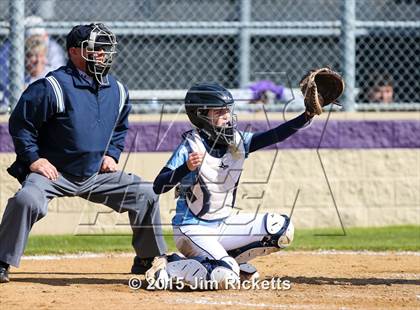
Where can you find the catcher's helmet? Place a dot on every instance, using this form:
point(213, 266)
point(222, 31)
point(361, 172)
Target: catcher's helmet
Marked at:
point(204, 96)
point(96, 39)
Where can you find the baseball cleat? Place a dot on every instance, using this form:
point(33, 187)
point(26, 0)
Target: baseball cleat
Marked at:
point(253, 253)
point(248, 272)
point(189, 271)
point(4, 275)
point(141, 265)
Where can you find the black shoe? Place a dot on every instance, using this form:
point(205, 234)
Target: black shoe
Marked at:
point(4, 275)
point(141, 265)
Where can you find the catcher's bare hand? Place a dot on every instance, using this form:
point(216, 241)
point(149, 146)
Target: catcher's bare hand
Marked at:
point(108, 164)
point(43, 167)
point(194, 160)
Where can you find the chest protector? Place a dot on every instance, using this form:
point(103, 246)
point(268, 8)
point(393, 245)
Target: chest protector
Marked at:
point(213, 194)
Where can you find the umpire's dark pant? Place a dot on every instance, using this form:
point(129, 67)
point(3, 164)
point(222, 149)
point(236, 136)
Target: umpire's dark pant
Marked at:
point(119, 191)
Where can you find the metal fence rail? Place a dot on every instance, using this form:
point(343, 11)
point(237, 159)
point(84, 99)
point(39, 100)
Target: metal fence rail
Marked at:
point(170, 44)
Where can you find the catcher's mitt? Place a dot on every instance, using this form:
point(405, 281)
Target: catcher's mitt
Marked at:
point(321, 87)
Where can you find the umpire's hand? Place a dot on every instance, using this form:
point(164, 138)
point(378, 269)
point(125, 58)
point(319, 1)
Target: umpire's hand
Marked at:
point(43, 167)
point(108, 164)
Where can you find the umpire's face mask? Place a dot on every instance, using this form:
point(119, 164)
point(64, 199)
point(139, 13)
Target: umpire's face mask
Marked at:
point(100, 50)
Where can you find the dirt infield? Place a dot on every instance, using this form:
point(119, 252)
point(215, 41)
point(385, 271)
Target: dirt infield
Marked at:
point(319, 280)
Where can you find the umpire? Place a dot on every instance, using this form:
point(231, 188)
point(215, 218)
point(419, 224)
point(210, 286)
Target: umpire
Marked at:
point(68, 130)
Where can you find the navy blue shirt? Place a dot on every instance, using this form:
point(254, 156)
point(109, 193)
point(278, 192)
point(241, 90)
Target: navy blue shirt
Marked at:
point(73, 137)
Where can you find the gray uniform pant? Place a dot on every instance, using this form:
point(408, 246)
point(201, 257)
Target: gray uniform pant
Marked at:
point(120, 191)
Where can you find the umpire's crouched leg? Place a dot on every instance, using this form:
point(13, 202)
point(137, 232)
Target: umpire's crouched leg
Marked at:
point(128, 192)
point(28, 206)
point(145, 220)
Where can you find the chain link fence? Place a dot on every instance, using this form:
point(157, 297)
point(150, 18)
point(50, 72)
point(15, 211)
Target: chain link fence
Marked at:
point(170, 44)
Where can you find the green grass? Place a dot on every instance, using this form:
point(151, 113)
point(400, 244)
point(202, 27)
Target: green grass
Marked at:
point(395, 238)
point(67, 244)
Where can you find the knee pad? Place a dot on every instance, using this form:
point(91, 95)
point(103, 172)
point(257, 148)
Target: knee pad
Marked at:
point(280, 230)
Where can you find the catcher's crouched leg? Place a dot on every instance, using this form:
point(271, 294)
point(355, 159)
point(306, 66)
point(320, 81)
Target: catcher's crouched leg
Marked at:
point(199, 271)
point(280, 233)
point(224, 272)
point(164, 268)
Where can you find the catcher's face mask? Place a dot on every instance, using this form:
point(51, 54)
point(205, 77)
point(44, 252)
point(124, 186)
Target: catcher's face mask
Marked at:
point(99, 53)
point(220, 123)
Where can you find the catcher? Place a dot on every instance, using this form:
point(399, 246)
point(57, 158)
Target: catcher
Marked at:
point(206, 167)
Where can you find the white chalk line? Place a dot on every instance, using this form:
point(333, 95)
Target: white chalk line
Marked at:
point(208, 301)
point(345, 252)
point(321, 252)
point(76, 256)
